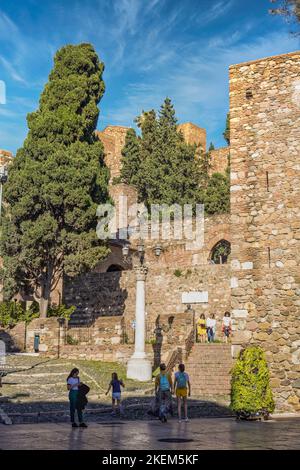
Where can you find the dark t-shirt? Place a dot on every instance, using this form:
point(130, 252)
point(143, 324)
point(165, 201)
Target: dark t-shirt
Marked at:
point(116, 385)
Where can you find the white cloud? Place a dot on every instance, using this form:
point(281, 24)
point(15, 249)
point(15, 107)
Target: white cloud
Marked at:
point(217, 10)
point(198, 84)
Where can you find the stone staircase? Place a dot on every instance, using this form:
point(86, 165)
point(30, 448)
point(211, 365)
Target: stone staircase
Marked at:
point(208, 366)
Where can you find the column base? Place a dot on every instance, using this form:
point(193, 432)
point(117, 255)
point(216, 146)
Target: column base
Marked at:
point(139, 369)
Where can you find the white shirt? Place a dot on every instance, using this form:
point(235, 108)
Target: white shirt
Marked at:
point(226, 321)
point(73, 381)
point(211, 323)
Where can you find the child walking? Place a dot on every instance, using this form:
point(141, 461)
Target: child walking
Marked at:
point(73, 384)
point(201, 329)
point(226, 327)
point(115, 384)
point(182, 390)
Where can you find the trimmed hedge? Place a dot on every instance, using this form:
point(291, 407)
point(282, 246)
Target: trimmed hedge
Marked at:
point(250, 384)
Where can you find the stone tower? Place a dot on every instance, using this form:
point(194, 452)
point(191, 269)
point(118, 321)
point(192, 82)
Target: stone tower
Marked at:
point(265, 215)
point(193, 134)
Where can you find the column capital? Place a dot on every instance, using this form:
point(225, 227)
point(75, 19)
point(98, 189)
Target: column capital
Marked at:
point(141, 273)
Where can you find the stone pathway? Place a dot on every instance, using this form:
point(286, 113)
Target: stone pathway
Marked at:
point(34, 391)
point(221, 433)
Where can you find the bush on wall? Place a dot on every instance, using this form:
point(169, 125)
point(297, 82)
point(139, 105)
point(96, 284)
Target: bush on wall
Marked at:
point(250, 385)
point(13, 312)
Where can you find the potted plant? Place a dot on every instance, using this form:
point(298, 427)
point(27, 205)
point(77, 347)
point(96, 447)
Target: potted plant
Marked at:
point(251, 394)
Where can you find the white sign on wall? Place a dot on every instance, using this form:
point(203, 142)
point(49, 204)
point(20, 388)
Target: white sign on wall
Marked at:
point(196, 297)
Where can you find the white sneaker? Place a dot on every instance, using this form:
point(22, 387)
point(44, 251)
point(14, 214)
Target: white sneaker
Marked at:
point(186, 419)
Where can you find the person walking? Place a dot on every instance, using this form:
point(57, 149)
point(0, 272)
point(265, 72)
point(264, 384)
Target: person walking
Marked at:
point(163, 391)
point(211, 328)
point(182, 387)
point(226, 327)
point(116, 385)
point(201, 329)
point(73, 384)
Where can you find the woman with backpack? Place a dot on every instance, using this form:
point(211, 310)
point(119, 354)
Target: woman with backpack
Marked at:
point(163, 391)
point(73, 384)
point(182, 389)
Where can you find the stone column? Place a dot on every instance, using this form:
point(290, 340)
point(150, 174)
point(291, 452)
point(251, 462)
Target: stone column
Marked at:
point(139, 367)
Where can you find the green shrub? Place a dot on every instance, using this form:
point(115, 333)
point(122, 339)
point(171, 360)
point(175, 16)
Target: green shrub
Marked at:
point(250, 384)
point(177, 273)
point(72, 341)
point(60, 311)
point(151, 341)
point(12, 312)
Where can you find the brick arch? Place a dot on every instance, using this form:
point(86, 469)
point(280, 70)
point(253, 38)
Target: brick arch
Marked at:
point(213, 241)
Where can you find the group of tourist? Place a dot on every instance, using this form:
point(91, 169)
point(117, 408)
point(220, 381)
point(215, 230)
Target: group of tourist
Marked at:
point(165, 387)
point(207, 327)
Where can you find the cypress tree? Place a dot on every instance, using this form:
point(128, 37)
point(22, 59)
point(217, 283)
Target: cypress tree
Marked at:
point(56, 181)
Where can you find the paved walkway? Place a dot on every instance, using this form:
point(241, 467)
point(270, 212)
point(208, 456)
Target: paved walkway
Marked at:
point(218, 433)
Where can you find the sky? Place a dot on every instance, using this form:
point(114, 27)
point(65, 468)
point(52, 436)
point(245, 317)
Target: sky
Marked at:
point(151, 49)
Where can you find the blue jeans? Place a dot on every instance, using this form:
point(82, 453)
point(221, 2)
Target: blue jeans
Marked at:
point(73, 406)
point(210, 335)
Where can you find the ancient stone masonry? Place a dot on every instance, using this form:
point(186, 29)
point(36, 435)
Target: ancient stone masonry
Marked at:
point(219, 160)
point(113, 139)
point(193, 134)
point(265, 215)
point(113, 294)
point(261, 282)
point(5, 157)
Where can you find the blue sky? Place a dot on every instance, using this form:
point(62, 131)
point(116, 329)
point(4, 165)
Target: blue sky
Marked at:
point(151, 49)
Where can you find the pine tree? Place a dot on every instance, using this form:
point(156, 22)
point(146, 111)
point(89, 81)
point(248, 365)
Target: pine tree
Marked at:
point(211, 147)
point(217, 194)
point(169, 172)
point(56, 181)
point(131, 159)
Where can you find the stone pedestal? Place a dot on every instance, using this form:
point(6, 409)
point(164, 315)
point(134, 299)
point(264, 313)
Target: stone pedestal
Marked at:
point(139, 367)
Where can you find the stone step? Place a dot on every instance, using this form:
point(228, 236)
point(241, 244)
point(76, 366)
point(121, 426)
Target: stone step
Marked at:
point(208, 366)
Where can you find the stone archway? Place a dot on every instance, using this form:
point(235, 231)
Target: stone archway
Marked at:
point(114, 268)
point(220, 252)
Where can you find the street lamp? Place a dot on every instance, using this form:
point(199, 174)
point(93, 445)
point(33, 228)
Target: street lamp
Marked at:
point(3, 179)
point(139, 367)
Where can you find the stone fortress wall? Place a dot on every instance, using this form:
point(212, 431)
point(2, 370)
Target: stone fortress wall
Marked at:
point(5, 157)
point(265, 215)
point(261, 285)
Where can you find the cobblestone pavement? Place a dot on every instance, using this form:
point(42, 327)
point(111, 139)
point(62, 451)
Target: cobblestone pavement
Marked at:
point(214, 433)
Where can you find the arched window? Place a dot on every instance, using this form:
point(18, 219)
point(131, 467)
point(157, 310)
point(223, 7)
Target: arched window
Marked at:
point(220, 252)
point(114, 267)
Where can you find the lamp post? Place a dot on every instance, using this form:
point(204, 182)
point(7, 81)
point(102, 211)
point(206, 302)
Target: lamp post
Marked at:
point(139, 367)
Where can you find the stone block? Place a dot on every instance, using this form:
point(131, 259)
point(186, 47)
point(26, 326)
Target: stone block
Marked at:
point(241, 337)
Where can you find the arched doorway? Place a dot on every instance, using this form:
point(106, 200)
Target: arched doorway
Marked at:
point(114, 268)
point(220, 252)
